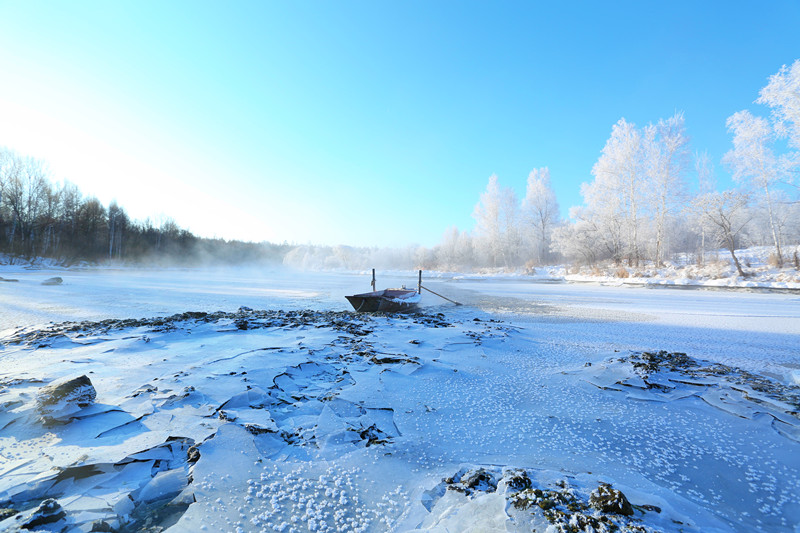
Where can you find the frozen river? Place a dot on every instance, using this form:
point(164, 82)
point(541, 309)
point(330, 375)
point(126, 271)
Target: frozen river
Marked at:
point(729, 325)
point(101, 293)
point(543, 392)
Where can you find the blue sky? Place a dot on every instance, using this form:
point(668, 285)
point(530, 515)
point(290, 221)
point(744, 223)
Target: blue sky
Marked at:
point(363, 123)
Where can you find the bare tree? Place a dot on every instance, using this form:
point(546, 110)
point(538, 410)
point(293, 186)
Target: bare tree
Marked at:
point(117, 226)
point(727, 213)
point(24, 190)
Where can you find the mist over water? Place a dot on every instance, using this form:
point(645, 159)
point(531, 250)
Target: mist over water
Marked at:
point(99, 293)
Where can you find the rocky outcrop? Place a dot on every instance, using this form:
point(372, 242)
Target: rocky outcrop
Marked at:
point(61, 400)
point(609, 500)
point(47, 514)
point(7, 513)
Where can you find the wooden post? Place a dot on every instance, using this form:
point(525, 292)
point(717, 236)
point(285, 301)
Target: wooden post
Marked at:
point(419, 287)
point(373, 280)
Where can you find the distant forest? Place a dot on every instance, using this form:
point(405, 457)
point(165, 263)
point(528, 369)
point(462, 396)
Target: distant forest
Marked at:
point(42, 220)
point(639, 209)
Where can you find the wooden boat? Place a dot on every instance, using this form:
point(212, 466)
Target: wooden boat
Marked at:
point(387, 301)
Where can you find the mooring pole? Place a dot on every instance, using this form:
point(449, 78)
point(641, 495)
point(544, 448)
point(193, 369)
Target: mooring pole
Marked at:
point(440, 296)
point(419, 287)
point(373, 280)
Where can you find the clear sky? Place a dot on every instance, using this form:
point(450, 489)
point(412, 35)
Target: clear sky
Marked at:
point(363, 123)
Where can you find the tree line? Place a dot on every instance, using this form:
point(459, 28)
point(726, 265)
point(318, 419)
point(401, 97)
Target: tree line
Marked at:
point(639, 205)
point(40, 219)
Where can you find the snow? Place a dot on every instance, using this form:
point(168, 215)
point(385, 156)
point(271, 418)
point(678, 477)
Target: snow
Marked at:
point(717, 271)
point(306, 417)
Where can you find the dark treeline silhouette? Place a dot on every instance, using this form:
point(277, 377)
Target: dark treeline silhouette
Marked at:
point(39, 219)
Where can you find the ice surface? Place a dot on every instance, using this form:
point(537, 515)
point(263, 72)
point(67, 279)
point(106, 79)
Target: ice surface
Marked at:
point(324, 422)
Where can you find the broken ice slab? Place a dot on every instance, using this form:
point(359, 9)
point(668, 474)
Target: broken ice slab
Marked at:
point(765, 401)
point(656, 395)
point(787, 430)
point(722, 399)
point(332, 431)
point(138, 406)
point(83, 428)
point(254, 397)
point(382, 419)
point(606, 377)
point(253, 419)
point(693, 381)
point(163, 485)
point(227, 461)
point(344, 408)
point(660, 381)
point(634, 381)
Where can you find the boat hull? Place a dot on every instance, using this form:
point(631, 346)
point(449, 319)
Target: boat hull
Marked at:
point(385, 301)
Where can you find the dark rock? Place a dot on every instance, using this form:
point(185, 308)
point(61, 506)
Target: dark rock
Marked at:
point(53, 281)
point(653, 508)
point(373, 435)
point(517, 480)
point(101, 526)
point(48, 512)
point(473, 480)
point(609, 500)
point(60, 400)
point(256, 429)
point(192, 454)
point(8, 513)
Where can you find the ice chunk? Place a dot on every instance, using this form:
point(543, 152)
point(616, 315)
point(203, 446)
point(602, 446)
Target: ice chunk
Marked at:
point(164, 485)
point(227, 461)
point(254, 397)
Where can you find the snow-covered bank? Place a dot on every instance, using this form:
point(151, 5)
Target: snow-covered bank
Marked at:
point(717, 271)
point(506, 413)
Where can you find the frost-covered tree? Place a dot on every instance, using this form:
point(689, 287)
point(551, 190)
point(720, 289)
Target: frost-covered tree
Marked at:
point(726, 212)
point(579, 240)
point(666, 156)
point(782, 94)
point(455, 250)
point(446, 251)
point(496, 233)
point(539, 214)
point(706, 183)
point(618, 173)
point(755, 164)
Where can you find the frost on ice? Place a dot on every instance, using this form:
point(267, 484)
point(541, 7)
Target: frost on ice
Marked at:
point(326, 421)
